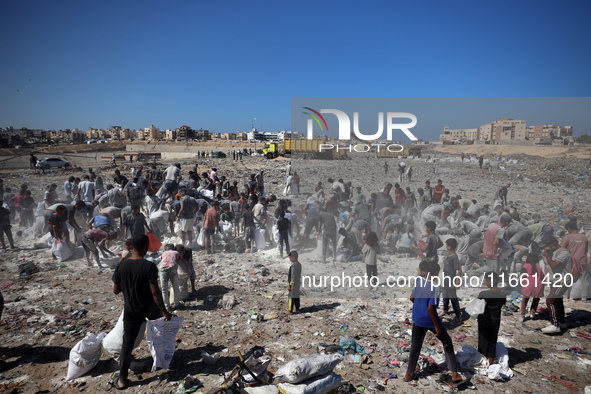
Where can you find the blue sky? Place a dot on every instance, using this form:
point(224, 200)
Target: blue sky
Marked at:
point(218, 65)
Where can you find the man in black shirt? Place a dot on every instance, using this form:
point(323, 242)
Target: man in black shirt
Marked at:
point(489, 321)
point(33, 161)
point(350, 242)
point(283, 225)
point(119, 179)
point(137, 279)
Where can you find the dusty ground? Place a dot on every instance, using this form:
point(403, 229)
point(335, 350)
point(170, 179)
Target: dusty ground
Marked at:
point(38, 329)
point(581, 152)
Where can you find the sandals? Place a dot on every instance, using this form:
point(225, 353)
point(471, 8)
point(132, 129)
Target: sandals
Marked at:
point(412, 377)
point(447, 379)
point(115, 382)
point(457, 383)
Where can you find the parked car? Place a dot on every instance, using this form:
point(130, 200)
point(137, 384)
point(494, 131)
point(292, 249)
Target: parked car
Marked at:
point(53, 162)
point(218, 155)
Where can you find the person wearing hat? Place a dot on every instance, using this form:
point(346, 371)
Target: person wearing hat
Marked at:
point(559, 263)
point(492, 245)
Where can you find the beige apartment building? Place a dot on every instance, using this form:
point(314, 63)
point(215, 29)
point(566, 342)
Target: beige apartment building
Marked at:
point(505, 129)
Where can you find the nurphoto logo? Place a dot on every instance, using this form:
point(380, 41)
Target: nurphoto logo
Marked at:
point(345, 124)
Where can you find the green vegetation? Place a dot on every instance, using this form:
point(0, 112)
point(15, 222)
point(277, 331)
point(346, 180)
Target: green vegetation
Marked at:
point(584, 139)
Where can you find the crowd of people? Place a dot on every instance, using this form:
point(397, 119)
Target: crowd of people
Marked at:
point(195, 209)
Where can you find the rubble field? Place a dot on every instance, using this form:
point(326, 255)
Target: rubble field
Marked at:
point(51, 306)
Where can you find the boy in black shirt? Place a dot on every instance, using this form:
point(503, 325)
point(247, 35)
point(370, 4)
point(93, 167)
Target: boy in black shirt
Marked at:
point(137, 279)
point(433, 243)
point(283, 225)
point(490, 320)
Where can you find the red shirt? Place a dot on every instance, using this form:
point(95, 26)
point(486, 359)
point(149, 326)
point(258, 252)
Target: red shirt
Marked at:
point(97, 235)
point(212, 218)
point(438, 192)
point(577, 246)
point(399, 196)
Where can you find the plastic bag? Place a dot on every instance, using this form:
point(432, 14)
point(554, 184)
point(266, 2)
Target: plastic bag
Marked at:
point(470, 359)
point(207, 194)
point(500, 369)
point(257, 366)
point(161, 337)
point(263, 389)
point(476, 307)
point(201, 238)
point(319, 385)
point(85, 355)
point(155, 244)
point(304, 368)
point(226, 229)
point(49, 239)
point(259, 237)
point(113, 342)
point(40, 209)
point(61, 250)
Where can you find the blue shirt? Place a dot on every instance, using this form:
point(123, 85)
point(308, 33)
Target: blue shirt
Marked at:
point(101, 220)
point(424, 294)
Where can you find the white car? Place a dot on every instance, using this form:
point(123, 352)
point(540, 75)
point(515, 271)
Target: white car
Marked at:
point(53, 162)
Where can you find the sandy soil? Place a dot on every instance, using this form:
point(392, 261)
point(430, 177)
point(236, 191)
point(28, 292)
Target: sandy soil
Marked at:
point(38, 329)
point(581, 152)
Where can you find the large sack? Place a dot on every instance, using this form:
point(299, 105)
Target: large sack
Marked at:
point(475, 307)
point(39, 227)
point(304, 368)
point(40, 209)
point(319, 385)
point(61, 250)
point(262, 389)
point(113, 342)
point(85, 355)
point(576, 290)
point(161, 338)
point(259, 237)
point(207, 194)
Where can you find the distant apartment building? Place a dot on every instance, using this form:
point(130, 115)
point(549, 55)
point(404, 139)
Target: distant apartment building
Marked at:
point(255, 135)
point(505, 129)
point(228, 136)
point(77, 136)
point(126, 134)
point(149, 133)
point(459, 134)
point(202, 135)
point(91, 134)
point(184, 133)
point(549, 131)
point(170, 134)
point(241, 136)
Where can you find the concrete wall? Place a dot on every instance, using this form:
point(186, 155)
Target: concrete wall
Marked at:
point(162, 148)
